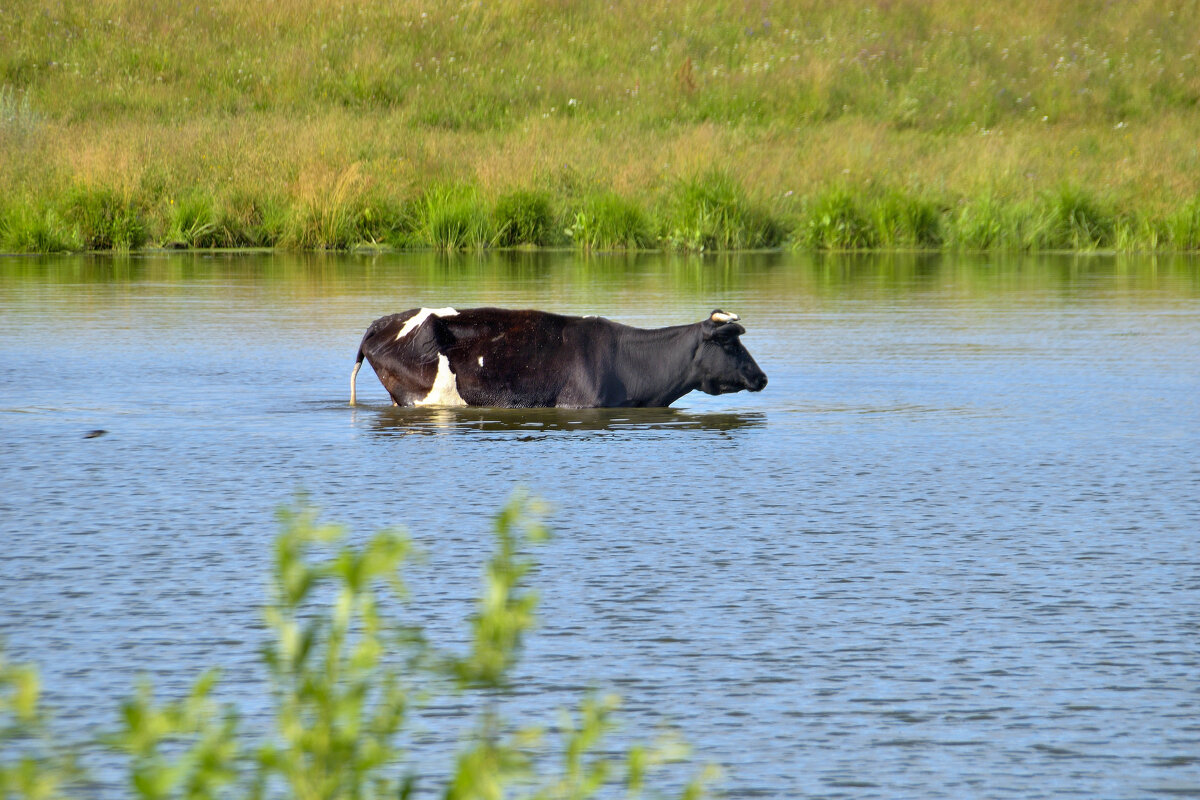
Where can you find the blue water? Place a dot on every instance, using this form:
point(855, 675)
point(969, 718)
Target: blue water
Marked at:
point(952, 550)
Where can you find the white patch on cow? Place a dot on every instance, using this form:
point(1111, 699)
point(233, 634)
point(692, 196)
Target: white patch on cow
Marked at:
point(589, 316)
point(414, 322)
point(481, 361)
point(724, 316)
point(445, 387)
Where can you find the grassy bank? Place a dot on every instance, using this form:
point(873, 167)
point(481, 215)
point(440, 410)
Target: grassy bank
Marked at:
point(1008, 126)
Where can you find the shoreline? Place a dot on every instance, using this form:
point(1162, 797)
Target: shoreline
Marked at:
point(708, 214)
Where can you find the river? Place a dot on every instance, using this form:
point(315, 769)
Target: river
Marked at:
point(952, 550)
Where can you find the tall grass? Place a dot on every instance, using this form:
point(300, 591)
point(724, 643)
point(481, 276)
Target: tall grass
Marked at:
point(1073, 219)
point(193, 223)
point(837, 220)
point(608, 221)
point(1183, 226)
point(524, 217)
point(711, 212)
point(26, 228)
point(106, 219)
point(454, 217)
point(339, 124)
point(698, 214)
point(905, 221)
point(348, 670)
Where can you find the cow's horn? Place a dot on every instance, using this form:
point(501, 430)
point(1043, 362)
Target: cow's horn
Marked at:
point(724, 316)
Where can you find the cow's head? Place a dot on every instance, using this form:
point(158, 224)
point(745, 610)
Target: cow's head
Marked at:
point(725, 365)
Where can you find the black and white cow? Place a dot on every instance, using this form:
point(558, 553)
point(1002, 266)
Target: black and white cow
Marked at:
point(529, 359)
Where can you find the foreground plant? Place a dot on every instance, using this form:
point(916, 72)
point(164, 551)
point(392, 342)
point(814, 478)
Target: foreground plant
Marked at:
point(30, 767)
point(346, 672)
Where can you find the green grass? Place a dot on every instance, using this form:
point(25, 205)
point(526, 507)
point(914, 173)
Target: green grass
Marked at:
point(524, 217)
point(454, 217)
point(608, 221)
point(193, 223)
point(27, 229)
point(244, 220)
point(712, 212)
point(696, 215)
point(836, 220)
point(904, 221)
point(1182, 227)
point(106, 219)
point(458, 66)
point(800, 123)
point(1074, 219)
point(985, 222)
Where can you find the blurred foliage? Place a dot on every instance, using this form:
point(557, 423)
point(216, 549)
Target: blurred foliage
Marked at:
point(346, 671)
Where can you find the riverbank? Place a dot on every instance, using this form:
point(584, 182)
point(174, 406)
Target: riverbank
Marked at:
point(334, 126)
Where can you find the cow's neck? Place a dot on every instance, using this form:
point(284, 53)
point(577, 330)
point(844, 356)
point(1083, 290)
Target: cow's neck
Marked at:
point(661, 365)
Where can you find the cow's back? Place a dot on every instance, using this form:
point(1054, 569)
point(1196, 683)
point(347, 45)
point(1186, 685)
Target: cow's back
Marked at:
point(508, 358)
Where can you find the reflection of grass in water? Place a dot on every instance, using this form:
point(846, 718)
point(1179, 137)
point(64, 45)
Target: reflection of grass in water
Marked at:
point(347, 669)
point(601, 282)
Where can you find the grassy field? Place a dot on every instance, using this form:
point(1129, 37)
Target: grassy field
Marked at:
point(724, 125)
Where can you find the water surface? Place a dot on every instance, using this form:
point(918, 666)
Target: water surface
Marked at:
point(950, 551)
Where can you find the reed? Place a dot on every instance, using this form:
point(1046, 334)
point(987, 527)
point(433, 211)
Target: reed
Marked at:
point(106, 219)
point(608, 221)
point(454, 217)
point(1073, 219)
point(906, 221)
point(686, 217)
point(1182, 227)
point(712, 212)
point(193, 223)
point(246, 220)
point(525, 217)
point(836, 220)
point(25, 228)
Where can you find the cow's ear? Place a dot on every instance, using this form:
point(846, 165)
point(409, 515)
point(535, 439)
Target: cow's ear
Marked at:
point(723, 333)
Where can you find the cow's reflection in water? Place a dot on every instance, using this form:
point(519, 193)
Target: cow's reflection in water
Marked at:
point(401, 421)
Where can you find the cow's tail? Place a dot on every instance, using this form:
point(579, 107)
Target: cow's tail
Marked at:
point(354, 375)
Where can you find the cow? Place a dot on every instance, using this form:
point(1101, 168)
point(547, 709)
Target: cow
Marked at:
point(534, 359)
